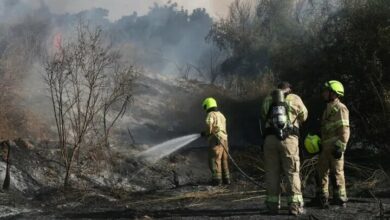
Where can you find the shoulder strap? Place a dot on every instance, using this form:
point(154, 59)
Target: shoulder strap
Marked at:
point(287, 106)
point(269, 111)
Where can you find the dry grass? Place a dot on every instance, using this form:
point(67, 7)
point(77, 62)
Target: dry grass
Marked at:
point(308, 170)
point(371, 179)
point(197, 196)
point(365, 178)
point(362, 177)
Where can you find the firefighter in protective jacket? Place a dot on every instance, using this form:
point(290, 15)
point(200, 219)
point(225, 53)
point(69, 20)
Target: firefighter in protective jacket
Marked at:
point(218, 142)
point(283, 112)
point(334, 138)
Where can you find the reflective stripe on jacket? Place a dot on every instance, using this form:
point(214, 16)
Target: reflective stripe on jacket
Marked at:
point(216, 125)
point(335, 124)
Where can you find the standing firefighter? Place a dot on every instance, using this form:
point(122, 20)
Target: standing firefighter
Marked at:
point(283, 112)
point(334, 137)
point(218, 142)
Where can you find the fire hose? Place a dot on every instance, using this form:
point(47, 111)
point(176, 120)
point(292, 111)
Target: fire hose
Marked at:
point(238, 167)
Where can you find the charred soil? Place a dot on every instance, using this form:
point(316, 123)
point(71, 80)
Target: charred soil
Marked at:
point(174, 188)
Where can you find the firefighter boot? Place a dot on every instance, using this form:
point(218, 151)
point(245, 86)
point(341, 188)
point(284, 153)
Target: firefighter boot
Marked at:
point(296, 209)
point(273, 208)
point(216, 182)
point(339, 202)
point(226, 181)
point(324, 203)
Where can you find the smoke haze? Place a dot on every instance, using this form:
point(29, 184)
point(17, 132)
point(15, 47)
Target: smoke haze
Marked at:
point(166, 39)
point(163, 39)
point(119, 8)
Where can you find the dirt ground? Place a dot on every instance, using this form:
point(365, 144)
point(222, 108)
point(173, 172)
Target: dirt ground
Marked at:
point(188, 202)
point(175, 188)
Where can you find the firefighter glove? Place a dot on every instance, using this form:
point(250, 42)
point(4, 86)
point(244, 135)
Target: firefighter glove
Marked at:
point(337, 152)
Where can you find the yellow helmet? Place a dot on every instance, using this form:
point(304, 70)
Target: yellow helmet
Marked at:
point(335, 86)
point(312, 144)
point(209, 103)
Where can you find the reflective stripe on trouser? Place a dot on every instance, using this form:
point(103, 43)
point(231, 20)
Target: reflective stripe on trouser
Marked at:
point(326, 166)
point(272, 202)
point(218, 161)
point(282, 156)
point(295, 199)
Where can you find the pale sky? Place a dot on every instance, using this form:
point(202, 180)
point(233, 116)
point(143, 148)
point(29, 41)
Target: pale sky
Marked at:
point(118, 8)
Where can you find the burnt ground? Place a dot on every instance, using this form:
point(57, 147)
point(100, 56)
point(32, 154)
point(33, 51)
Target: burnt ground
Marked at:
point(175, 188)
point(189, 202)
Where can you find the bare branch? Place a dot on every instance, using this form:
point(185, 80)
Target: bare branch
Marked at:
point(86, 83)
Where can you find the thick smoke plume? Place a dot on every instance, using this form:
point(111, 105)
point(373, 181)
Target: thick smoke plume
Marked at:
point(167, 39)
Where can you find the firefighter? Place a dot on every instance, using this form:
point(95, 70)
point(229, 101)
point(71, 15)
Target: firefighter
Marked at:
point(334, 138)
point(218, 142)
point(283, 112)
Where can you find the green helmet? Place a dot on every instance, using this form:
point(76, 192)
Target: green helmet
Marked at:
point(335, 86)
point(209, 103)
point(312, 144)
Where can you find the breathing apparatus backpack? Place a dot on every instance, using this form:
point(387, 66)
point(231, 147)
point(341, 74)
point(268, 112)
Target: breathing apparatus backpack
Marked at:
point(278, 118)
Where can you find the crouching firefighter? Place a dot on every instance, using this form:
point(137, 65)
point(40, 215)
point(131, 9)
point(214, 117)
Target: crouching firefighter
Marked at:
point(283, 112)
point(335, 134)
point(218, 142)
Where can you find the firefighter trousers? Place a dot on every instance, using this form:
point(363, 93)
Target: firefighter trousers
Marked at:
point(329, 166)
point(218, 160)
point(282, 156)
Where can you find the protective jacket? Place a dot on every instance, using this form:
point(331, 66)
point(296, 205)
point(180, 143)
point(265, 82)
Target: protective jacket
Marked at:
point(335, 124)
point(216, 125)
point(297, 112)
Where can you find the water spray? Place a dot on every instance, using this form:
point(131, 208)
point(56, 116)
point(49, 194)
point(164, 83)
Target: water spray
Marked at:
point(155, 153)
